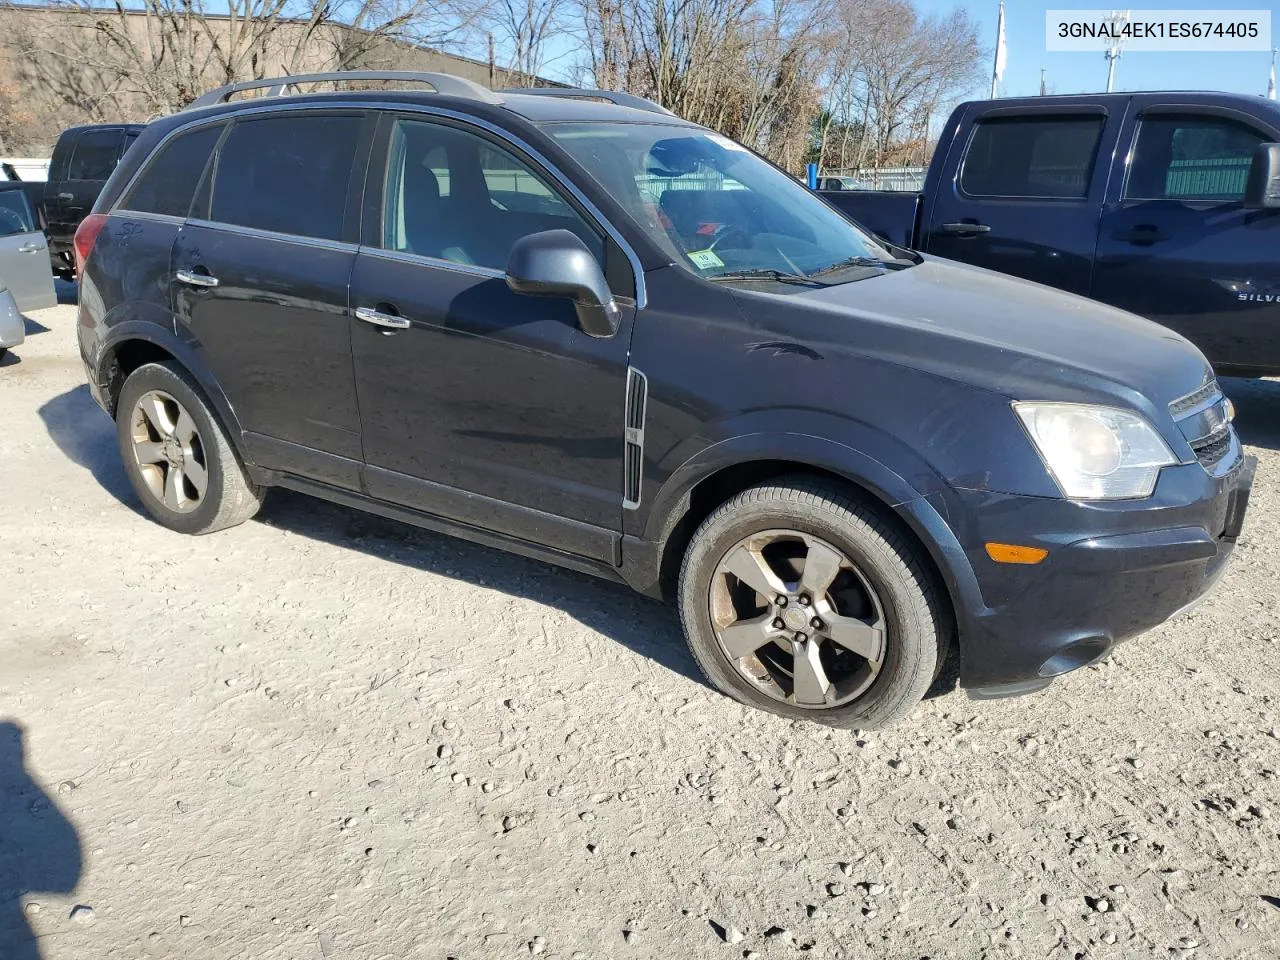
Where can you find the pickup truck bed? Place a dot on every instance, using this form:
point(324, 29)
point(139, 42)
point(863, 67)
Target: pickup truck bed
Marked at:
point(1137, 200)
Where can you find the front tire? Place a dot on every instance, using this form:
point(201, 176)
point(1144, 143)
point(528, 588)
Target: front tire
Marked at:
point(799, 599)
point(177, 454)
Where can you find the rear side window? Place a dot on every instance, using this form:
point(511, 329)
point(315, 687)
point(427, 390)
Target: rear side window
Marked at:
point(1040, 157)
point(287, 174)
point(1191, 158)
point(97, 152)
point(169, 181)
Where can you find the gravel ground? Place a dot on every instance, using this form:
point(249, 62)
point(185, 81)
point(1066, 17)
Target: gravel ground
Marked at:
point(322, 735)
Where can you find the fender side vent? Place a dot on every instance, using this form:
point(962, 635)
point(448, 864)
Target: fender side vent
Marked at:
point(637, 400)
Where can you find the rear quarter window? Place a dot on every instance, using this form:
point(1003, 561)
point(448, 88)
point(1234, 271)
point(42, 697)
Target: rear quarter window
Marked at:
point(96, 155)
point(168, 182)
point(1032, 157)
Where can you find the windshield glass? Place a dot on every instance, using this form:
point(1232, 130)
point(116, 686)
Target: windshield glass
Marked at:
point(715, 207)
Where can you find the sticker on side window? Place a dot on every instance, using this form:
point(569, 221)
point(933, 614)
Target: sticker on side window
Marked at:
point(705, 259)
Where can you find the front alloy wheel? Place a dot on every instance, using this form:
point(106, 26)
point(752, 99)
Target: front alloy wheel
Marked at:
point(798, 619)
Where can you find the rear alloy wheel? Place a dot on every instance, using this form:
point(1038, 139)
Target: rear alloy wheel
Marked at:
point(168, 451)
point(177, 455)
point(802, 600)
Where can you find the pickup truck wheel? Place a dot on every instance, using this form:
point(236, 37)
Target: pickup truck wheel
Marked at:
point(803, 601)
point(177, 455)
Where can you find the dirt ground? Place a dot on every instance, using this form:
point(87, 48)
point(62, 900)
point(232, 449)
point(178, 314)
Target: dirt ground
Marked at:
point(323, 735)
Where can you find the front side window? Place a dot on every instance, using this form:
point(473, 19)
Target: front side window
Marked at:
point(454, 195)
point(1191, 158)
point(15, 214)
point(1032, 157)
point(715, 207)
point(169, 181)
point(96, 154)
point(287, 174)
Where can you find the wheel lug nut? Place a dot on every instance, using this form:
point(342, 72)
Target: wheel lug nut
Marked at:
point(800, 638)
point(778, 624)
point(804, 600)
point(815, 623)
point(782, 601)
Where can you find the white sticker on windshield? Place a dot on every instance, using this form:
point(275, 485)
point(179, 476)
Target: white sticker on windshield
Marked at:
point(705, 259)
point(726, 142)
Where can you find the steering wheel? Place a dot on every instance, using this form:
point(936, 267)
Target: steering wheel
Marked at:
point(11, 223)
point(732, 230)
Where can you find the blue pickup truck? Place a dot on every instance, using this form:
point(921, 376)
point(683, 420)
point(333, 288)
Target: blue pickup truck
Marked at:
point(1163, 204)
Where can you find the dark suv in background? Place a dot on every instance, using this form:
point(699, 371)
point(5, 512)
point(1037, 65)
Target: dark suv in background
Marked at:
point(83, 159)
point(594, 333)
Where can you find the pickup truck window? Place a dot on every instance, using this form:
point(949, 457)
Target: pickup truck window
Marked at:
point(96, 155)
point(1032, 157)
point(1191, 157)
point(715, 207)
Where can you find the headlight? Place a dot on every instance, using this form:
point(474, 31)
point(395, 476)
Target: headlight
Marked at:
point(1096, 453)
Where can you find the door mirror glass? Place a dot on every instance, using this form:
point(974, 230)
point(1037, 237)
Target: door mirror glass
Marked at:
point(556, 263)
point(1262, 190)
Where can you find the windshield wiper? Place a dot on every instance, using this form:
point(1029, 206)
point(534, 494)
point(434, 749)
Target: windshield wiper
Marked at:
point(767, 273)
point(861, 261)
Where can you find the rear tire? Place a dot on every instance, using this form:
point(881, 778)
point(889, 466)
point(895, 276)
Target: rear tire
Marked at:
point(177, 454)
point(835, 618)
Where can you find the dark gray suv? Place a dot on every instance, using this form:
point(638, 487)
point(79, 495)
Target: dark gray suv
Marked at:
point(568, 324)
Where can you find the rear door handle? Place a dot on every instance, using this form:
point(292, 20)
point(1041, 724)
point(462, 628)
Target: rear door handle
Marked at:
point(66, 196)
point(29, 248)
point(379, 319)
point(964, 228)
point(191, 278)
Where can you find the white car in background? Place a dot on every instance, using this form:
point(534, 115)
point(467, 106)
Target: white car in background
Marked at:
point(26, 282)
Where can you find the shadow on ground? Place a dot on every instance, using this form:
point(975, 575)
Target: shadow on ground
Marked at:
point(87, 436)
point(1257, 410)
point(645, 626)
point(33, 327)
point(39, 847)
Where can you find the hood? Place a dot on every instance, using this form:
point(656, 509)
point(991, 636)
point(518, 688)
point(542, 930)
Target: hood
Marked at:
point(1017, 338)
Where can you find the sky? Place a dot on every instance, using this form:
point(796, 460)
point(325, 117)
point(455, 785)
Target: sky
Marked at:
point(1087, 72)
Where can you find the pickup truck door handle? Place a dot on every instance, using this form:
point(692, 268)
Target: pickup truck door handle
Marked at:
point(193, 279)
point(964, 228)
point(391, 321)
point(66, 196)
point(1141, 235)
point(29, 248)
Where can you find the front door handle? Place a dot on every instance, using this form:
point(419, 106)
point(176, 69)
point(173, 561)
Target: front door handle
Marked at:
point(29, 248)
point(193, 279)
point(965, 228)
point(1142, 235)
point(379, 319)
point(66, 196)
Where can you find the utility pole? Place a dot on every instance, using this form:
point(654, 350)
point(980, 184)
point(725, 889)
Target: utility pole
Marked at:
point(997, 68)
point(1115, 22)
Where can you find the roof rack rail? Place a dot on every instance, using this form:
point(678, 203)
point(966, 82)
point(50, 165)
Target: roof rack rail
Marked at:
point(443, 83)
point(579, 93)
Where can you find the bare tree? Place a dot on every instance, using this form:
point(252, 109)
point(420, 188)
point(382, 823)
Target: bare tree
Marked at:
point(524, 27)
point(156, 56)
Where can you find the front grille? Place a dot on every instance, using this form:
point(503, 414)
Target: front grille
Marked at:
point(1188, 403)
point(1212, 450)
point(1202, 418)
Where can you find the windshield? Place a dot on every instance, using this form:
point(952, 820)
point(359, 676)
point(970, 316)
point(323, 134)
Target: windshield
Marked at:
point(718, 209)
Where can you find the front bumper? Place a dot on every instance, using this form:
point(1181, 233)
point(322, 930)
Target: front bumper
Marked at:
point(1114, 570)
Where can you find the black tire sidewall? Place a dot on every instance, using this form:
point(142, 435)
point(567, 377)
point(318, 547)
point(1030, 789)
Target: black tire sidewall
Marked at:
point(155, 376)
point(869, 552)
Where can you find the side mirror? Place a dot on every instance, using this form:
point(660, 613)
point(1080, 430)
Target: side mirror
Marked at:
point(1262, 190)
point(555, 263)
